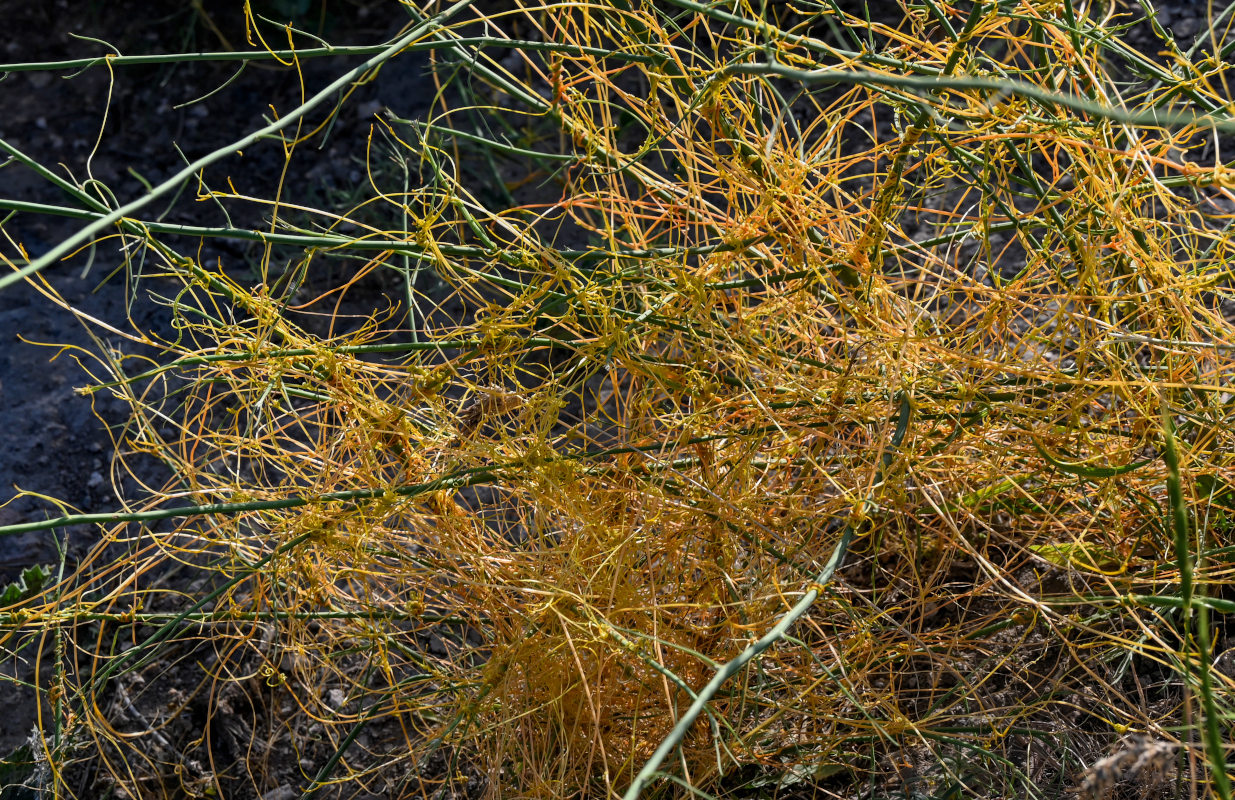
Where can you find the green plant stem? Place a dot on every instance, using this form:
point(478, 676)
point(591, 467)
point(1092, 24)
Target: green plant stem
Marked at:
point(998, 88)
point(454, 481)
point(1200, 639)
point(365, 244)
point(283, 56)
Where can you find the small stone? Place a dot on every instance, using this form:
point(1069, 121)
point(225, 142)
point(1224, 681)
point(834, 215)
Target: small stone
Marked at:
point(1184, 28)
point(368, 109)
point(281, 793)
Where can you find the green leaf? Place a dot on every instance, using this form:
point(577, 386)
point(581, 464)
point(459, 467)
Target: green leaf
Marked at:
point(28, 584)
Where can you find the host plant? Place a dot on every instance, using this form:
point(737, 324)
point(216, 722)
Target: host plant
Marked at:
point(768, 398)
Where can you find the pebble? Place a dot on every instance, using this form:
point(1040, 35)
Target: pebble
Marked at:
point(1184, 28)
point(282, 793)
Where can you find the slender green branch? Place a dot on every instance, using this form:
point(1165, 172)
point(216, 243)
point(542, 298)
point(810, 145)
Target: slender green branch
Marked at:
point(998, 89)
point(333, 51)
